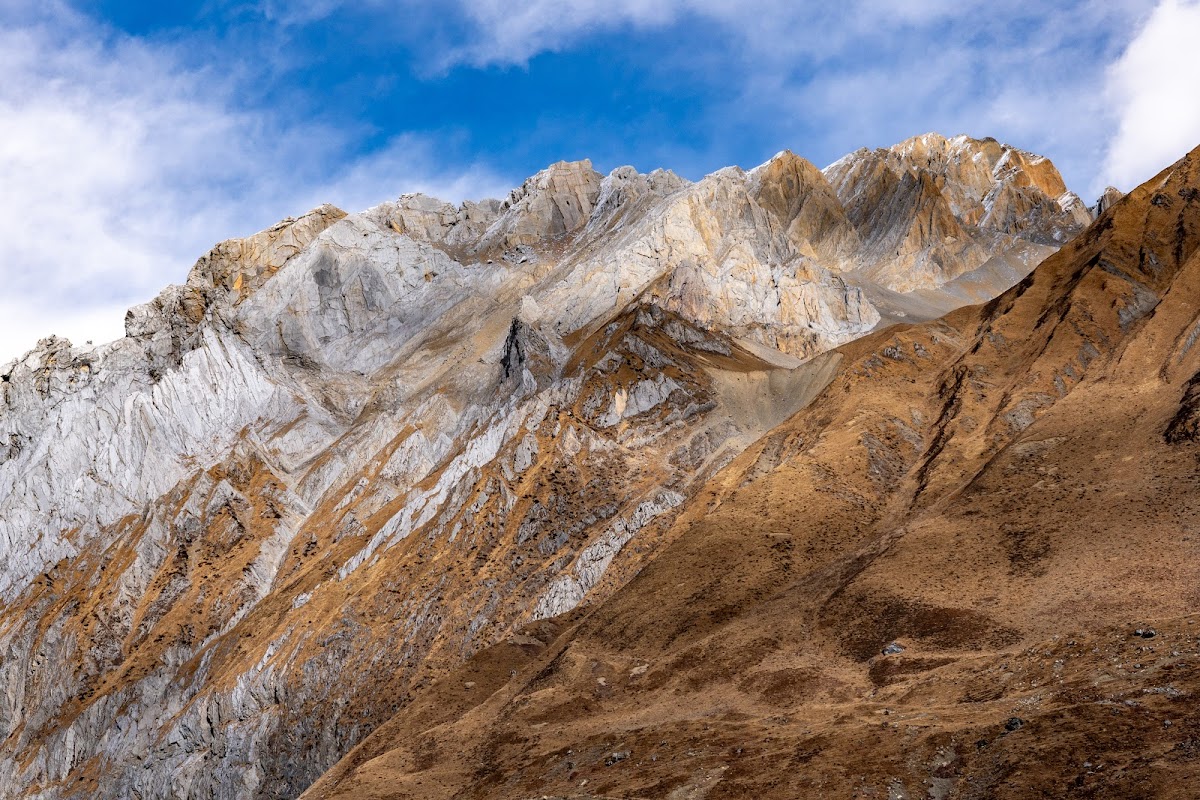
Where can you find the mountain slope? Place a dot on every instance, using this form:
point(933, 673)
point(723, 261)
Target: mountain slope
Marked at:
point(352, 450)
point(967, 569)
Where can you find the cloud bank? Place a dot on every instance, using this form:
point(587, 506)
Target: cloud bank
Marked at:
point(1154, 90)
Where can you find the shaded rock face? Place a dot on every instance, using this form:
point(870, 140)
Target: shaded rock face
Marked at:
point(352, 450)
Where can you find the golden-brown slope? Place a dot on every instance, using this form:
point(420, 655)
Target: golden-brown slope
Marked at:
point(1008, 494)
point(607, 458)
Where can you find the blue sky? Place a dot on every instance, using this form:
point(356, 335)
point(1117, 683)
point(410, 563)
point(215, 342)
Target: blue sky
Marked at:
point(134, 135)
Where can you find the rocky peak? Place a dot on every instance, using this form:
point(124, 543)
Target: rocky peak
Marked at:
point(624, 192)
point(1027, 169)
point(169, 326)
point(455, 229)
point(799, 197)
point(53, 368)
point(965, 169)
point(236, 268)
point(556, 201)
point(1107, 200)
point(1002, 199)
point(560, 200)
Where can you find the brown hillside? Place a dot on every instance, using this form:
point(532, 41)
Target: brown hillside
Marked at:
point(1009, 494)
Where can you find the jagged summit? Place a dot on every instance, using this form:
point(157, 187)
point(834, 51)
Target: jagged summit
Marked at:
point(387, 439)
point(796, 194)
point(1004, 201)
point(932, 209)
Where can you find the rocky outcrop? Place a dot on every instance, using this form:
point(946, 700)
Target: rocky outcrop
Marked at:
point(556, 201)
point(428, 219)
point(389, 439)
point(797, 197)
point(931, 209)
point(239, 267)
point(1107, 200)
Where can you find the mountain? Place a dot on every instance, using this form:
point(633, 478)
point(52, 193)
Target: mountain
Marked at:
point(967, 568)
point(353, 451)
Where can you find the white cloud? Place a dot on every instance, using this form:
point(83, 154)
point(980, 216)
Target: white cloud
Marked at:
point(512, 33)
point(1153, 90)
point(120, 167)
point(777, 31)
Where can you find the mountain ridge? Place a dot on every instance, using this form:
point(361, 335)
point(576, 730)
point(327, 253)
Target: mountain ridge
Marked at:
point(965, 569)
point(387, 439)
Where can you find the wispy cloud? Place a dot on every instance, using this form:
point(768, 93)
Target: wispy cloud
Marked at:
point(1153, 91)
point(501, 33)
point(512, 33)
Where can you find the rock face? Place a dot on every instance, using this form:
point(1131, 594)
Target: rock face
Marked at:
point(932, 209)
point(353, 450)
point(966, 569)
point(1107, 200)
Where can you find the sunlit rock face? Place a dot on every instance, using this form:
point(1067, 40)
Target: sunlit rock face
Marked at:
point(931, 209)
point(355, 448)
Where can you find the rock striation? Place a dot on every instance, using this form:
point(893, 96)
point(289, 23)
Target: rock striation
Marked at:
point(1107, 200)
point(931, 209)
point(389, 439)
